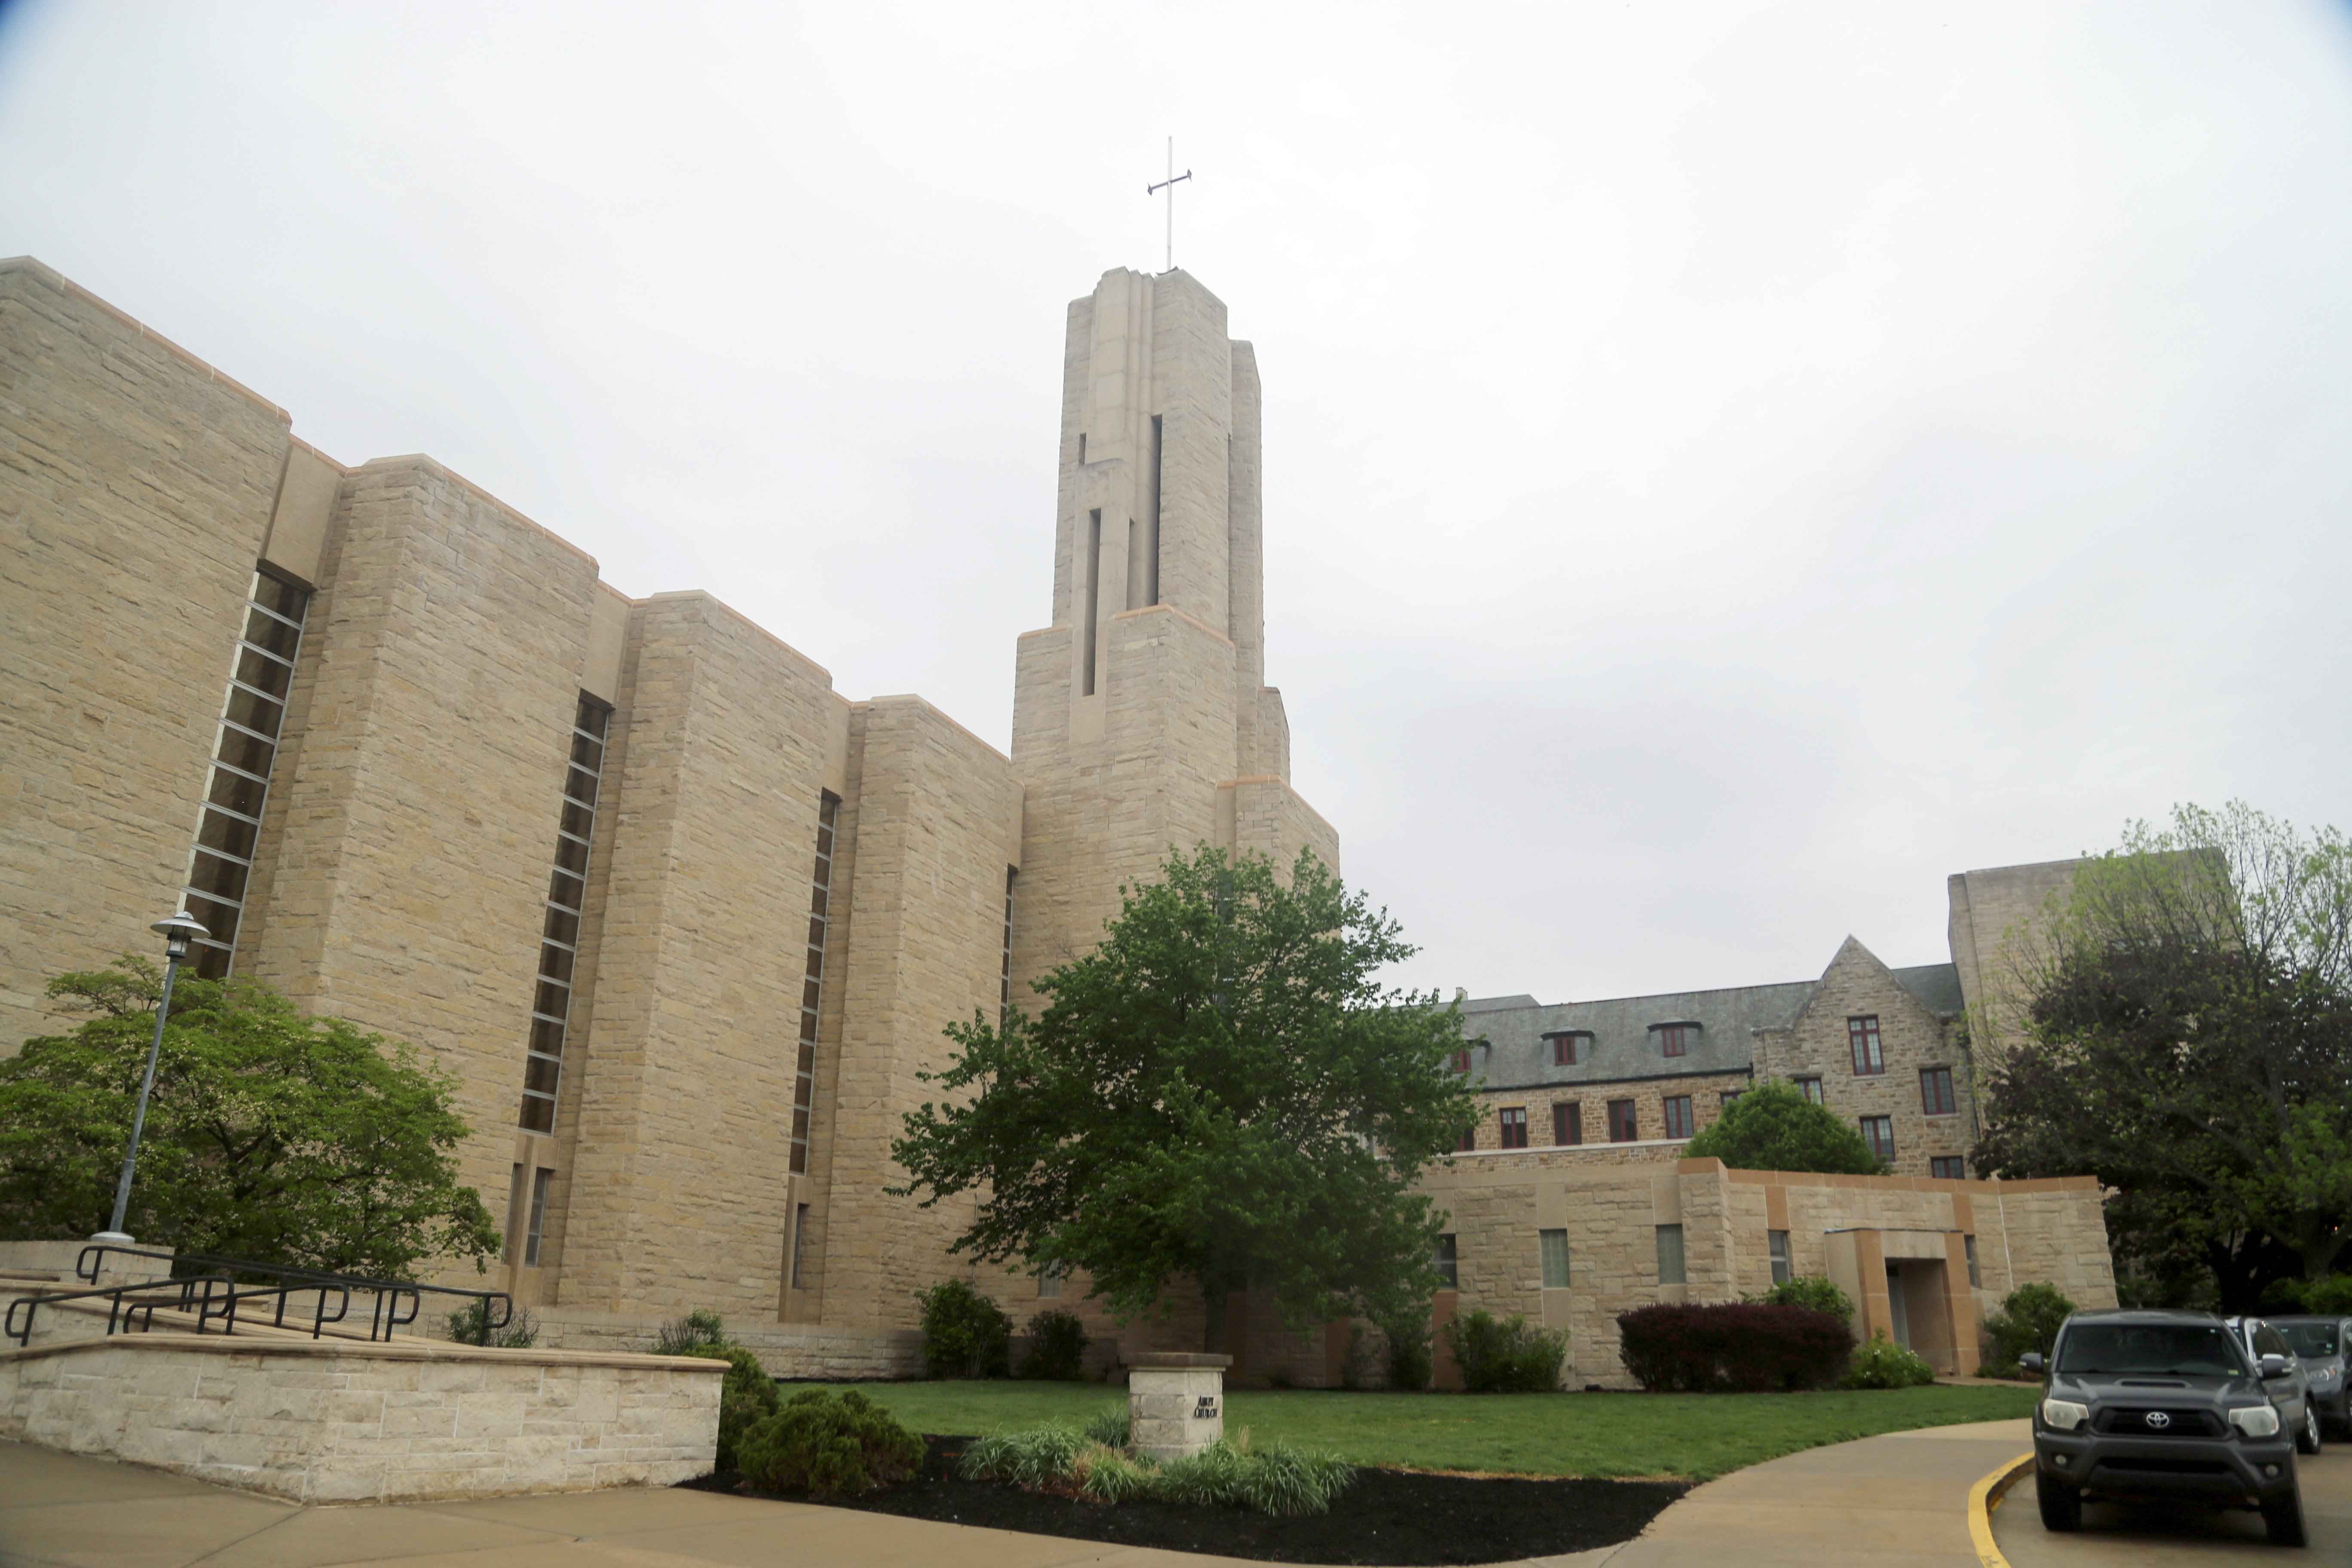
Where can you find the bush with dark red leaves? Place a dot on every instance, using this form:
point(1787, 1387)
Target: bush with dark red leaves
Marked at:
point(1733, 1347)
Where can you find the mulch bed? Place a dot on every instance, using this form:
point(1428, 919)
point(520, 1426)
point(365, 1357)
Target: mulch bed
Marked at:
point(1388, 1517)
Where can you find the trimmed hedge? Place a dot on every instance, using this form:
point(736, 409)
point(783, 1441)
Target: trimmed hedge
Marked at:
point(829, 1444)
point(1733, 1347)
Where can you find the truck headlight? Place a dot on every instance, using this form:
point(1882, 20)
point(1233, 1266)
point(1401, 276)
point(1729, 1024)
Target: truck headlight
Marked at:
point(2065, 1415)
point(2256, 1420)
point(2325, 1376)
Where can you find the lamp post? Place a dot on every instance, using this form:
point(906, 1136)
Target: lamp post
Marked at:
point(177, 932)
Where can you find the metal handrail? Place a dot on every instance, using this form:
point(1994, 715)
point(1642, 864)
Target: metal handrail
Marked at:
point(216, 1297)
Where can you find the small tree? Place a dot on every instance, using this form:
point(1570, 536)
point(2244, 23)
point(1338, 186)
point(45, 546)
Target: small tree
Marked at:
point(270, 1136)
point(1224, 1091)
point(2028, 1320)
point(1774, 1127)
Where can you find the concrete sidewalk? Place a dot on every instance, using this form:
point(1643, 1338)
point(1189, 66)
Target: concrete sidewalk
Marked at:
point(1889, 1502)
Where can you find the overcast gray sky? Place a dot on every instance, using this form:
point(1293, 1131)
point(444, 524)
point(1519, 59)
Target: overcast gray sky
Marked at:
point(1728, 466)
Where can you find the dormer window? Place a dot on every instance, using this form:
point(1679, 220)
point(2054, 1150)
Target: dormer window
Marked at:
point(1568, 1046)
point(1674, 1039)
point(1462, 1060)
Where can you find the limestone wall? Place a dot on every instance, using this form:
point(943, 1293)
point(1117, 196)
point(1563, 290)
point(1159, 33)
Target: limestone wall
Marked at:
point(136, 488)
point(346, 1423)
point(683, 1073)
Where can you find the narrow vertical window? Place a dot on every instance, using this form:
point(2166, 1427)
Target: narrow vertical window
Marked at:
point(1679, 1123)
point(1862, 1034)
point(1094, 596)
point(567, 895)
point(1623, 1127)
point(1449, 1263)
point(1082, 449)
point(1511, 1125)
point(1670, 1255)
point(1674, 1039)
point(1469, 1139)
point(1151, 556)
point(1776, 1242)
point(1553, 1247)
point(1811, 1088)
point(1049, 1282)
point(1004, 999)
point(1462, 1059)
point(1565, 1047)
point(538, 1185)
point(1878, 1132)
point(800, 1241)
point(1976, 1279)
point(1936, 1097)
point(252, 723)
point(812, 980)
point(1568, 1122)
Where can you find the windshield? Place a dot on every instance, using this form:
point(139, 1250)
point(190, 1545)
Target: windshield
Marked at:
point(2309, 1339)
point(2182, 1349)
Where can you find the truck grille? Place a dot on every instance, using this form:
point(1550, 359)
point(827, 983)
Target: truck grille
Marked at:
point(2160, 1422)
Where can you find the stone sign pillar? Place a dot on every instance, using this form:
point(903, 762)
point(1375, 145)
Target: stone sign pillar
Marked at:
point(1175, 1403)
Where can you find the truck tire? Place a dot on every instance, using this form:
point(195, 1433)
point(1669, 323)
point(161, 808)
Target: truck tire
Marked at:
point(2282, 1517)
point(2062, 1505)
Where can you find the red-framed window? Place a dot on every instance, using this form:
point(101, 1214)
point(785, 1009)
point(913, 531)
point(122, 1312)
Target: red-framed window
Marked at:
point(1811, 1088)
point(1679, 1120)
point(1511, 1123)
point(1567, 1121)
point(1469, 1139)
point(1878, 1132)
point(1673, 1040)
point(1624, 1127)
point(1948, 1168)
point(1567, 1047)
point(1869, 1058)
point(1936, 1097)
point(1462, 1060)
point(1731, 1097)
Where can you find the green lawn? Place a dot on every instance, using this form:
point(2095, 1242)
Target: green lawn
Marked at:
point(1693, 1436)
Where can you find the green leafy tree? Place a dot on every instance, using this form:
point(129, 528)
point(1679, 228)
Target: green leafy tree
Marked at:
point(270, 1136)
point(1772, 1126)
point(2188, 1041)
point(1222, 1092)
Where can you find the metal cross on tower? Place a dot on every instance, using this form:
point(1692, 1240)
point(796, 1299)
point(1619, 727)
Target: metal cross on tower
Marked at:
point(1170, 184)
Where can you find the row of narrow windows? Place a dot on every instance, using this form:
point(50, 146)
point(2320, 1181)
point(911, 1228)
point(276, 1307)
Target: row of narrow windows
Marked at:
point(253, 719)
point(567, 897)
point(1678, 1112)
point(1570, 1046)
point(1551, 1253)
point(813, 980)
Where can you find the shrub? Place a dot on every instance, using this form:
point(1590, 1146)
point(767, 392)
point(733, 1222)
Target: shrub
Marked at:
point(1109, 1427)
point(1408, 1354)
point(1356, 1369)
point(2331, 1297)
point(1057, 1347)
point(1882, 1363)
point(748, 1396)
point(1809, 1290)
point(828, 1445)
point(1034, 1456)
point(1505, 1357)
point(520, 1334)
point(1277, 1478)
point(1107, 1475)
point(697, 1333)
point(965, 1334)
point(2028, 1320)
point(1735, 1346)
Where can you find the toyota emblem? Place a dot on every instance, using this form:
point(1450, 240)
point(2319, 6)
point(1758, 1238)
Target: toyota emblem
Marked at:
point(2158, 1420)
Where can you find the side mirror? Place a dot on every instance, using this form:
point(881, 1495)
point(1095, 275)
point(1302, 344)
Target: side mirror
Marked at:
point(2275, 1367)
point(2032, 1362)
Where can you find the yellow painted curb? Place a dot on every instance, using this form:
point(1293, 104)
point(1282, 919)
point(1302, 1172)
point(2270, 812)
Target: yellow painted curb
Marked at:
point(1981, 1497)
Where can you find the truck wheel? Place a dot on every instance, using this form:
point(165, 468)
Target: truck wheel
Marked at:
point(2062, 1505)
point(2307, 1440)
point(2282, 1516)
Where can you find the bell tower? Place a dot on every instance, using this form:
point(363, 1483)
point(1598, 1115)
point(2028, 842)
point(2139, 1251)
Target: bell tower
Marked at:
point(1142, 719)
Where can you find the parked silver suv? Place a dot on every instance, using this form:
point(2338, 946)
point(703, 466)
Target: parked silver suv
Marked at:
point(2319, 1343)
point(2292, 1392)
point(2170, 1405)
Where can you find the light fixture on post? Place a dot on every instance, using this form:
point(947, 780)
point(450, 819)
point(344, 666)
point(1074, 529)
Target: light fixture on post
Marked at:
point(177, 932)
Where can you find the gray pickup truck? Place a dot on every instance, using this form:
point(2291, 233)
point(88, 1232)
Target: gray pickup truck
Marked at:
point(2142, 1405)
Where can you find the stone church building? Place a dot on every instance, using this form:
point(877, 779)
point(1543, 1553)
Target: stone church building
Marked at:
point(686, 922)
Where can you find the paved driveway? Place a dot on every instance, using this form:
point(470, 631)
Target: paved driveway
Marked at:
point(2112, 1536)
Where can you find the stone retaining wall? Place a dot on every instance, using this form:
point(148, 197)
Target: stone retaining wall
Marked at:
point(326, 1422)
point(786, 1350)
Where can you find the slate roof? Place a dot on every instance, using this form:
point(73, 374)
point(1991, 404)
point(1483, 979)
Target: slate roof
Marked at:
point(1623, 1046)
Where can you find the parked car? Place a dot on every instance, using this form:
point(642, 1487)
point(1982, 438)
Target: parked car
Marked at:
point(2319, 1343)
point(2161, 1405)
point(2291, 1393)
